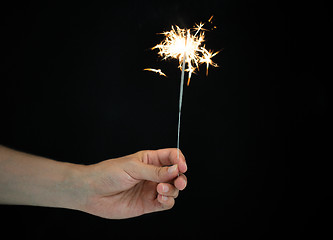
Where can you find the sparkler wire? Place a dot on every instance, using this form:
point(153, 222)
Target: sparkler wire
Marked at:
point(180, 102)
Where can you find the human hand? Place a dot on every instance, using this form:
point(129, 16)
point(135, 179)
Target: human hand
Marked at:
point(133, 185)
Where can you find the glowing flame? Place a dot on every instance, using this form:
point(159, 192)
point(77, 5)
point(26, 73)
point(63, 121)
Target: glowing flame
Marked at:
point(186, 43)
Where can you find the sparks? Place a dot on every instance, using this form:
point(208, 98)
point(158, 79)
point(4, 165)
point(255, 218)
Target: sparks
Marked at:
point(186, 44)
point(159, 71)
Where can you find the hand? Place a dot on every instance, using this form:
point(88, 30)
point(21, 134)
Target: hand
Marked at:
point(133, 185)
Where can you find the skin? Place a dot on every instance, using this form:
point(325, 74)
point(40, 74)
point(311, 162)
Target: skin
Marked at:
point(144, 182)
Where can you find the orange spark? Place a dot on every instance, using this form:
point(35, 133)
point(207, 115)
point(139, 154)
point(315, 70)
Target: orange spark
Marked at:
point(159, 71)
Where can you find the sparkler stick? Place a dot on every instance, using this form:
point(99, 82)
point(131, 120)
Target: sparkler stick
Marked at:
point(190, 52)
point(180, 103)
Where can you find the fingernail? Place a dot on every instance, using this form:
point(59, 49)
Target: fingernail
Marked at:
point(173, 168)
point(164, 198)
point(165, 188)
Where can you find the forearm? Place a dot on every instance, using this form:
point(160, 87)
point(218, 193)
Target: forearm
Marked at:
point(31, 180)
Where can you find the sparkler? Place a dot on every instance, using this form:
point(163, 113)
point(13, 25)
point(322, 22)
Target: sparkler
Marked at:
point(185, 45)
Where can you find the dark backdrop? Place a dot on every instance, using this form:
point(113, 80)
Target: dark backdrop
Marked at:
point(254, 131)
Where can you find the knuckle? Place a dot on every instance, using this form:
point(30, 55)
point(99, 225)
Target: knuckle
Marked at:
point(144, 155)
point(158, 172)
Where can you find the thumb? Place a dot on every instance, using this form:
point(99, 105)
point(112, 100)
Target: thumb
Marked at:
point(156, 174)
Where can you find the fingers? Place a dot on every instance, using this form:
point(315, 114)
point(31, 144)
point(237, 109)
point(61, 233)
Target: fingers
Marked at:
point(168, 190)
point(155, 166)
point(165, 157)
point(165, 202)
point(180, 182)
point(152, 173)
point(167, 193)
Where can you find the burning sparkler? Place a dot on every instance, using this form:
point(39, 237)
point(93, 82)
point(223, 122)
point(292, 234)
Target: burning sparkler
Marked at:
point(185, 45)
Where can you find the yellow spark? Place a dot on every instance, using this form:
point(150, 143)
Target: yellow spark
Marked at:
point(199, 27)
point(159, 71)
point(186, 43)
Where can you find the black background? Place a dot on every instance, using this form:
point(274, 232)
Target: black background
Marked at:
point(254, 132)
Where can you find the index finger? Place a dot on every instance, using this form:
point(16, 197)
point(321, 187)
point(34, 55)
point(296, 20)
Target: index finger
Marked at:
point(165, 157)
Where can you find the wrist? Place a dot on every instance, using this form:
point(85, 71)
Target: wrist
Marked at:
point(73, 187)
